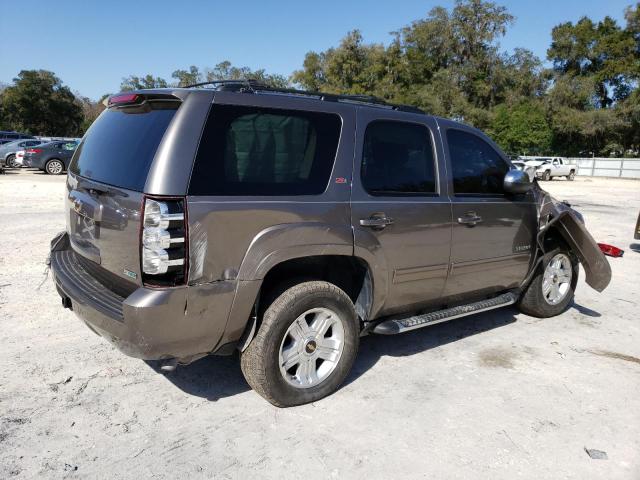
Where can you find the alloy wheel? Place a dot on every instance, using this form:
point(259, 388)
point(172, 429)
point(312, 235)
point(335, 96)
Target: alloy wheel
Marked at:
point(556, 282)
point(54, 167)
point(311, 348)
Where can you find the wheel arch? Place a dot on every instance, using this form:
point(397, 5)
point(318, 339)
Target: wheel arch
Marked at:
point(349, 273)
point(581, 243)
point(305, 250)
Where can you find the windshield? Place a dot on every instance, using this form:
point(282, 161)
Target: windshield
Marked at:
point(120, 145)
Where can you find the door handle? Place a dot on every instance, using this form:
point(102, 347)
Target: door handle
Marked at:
point(377, 222)
point(470, 218)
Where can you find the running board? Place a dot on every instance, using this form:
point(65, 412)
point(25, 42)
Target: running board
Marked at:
point(394, 326)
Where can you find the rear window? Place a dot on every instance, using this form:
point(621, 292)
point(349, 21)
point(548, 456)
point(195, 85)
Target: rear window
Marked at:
point(120, 145)
point(258, 151)
point(398, 159)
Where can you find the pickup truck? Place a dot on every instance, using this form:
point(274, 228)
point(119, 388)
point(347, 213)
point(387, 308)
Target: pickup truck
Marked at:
point(548, 167)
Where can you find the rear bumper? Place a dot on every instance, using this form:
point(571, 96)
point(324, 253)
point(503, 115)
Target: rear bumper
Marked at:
point(150, 324)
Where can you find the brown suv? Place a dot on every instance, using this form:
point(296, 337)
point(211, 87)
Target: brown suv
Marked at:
point(287, 224)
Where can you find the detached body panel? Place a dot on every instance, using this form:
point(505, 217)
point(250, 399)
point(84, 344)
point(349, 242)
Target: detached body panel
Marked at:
point(573, 230)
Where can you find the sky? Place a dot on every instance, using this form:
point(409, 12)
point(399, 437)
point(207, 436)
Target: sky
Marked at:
point(92, 45)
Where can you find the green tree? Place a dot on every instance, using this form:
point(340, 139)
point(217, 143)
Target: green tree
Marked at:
point(226, 71)
point(187, 77)
point(448, 63)
point(629, 115)
point(90, 111)
point(354, 67)
point(39, 104)
point(312, 76)
point(522, 129)
point(603, 52)
point(133, 82)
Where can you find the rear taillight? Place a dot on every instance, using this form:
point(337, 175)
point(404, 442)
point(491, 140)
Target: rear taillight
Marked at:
point(163, 242)
point(33, 150)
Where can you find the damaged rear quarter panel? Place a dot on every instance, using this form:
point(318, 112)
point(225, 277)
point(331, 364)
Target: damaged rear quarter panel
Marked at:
point(242, 240)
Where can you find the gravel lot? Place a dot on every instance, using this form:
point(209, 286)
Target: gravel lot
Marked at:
point(497, 395)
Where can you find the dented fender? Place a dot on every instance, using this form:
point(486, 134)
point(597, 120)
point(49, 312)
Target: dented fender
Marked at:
point(570, 224)
point(275, 245)
point(284, 242)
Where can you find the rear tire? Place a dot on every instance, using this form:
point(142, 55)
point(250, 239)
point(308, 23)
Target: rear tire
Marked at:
point(546, 176)
point(11, 161)
point(539, 299)
point(571, 176)
point(54, 167)
point(307, 325)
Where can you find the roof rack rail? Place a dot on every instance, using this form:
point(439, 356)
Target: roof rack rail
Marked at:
point(248, 83)
point(255, 86)
point(332, 97)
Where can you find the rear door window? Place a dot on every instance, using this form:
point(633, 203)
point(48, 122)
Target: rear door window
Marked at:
point(398, 159)
point(262, 151)
point(477, 168)
point(120, 145)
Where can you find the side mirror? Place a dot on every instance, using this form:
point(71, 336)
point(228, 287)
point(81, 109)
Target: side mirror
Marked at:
point(517, 181)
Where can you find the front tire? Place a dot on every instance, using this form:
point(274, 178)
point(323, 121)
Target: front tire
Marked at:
point(551, 290)
point(11, 161)
point(54, 167)
point(305, 346)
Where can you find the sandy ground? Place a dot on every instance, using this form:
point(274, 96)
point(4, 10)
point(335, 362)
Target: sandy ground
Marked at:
point(499, 395)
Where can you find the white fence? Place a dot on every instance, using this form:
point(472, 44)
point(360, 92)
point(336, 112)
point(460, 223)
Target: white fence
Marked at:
point(607, 167)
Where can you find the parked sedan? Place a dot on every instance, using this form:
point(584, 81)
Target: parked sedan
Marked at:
point(52, 157)
point(8, 150)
